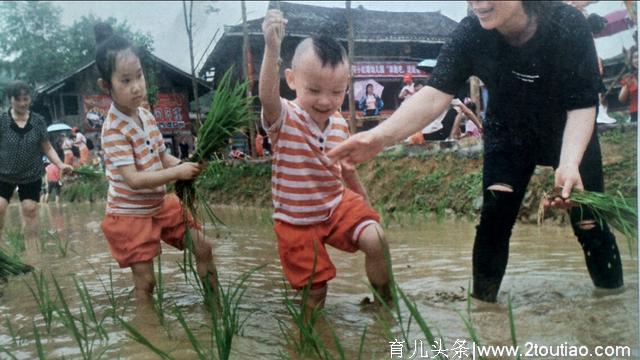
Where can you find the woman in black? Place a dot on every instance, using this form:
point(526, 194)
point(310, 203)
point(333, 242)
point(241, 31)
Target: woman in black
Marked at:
point(538, 61)
point(23, 142)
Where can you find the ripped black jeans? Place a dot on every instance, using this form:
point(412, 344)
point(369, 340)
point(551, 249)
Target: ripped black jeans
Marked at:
point(500, 210)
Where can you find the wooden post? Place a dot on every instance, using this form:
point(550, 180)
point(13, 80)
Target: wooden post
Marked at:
point(474, 92)
point(352, 105)
point(245, 72)
point(188, 23)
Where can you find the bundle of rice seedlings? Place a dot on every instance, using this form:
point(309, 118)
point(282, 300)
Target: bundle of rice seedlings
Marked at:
point(619, 212)
point(88, 171)
point(11, 266)
point(230, 111)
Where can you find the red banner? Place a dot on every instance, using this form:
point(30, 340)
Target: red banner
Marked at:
point(170, 111)
point(386, 69)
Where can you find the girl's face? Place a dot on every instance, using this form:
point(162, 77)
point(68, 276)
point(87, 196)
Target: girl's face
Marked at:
point(369, 90)
point(496, 14)
point(128, 86)
point(21, 103)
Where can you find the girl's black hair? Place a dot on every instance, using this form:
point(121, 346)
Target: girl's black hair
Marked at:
point(16, 88)
point(329, 51)
point(108, 46)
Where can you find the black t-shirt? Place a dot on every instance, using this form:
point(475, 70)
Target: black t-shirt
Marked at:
point(21, 149)
point(531, 87)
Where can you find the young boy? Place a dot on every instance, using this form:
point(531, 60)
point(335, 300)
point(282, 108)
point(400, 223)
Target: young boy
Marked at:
point(315, 204)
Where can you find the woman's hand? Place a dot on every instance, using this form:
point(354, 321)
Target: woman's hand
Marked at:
point(66, 169)
point(568, 178)
point(356, 149)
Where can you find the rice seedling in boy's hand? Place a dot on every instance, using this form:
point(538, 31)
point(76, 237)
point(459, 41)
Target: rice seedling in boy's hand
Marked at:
point(619, 212)
point(230, 110)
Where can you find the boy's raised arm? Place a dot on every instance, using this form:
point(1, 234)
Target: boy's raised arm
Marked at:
point(269, 88)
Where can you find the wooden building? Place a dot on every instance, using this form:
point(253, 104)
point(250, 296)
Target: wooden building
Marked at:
point(386, 44)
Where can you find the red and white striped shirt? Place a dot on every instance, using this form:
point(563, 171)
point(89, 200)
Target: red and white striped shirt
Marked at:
point(304, 187)
point(125, 143)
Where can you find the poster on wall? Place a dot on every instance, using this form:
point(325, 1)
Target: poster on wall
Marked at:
point(96, 108)
point(170, 111)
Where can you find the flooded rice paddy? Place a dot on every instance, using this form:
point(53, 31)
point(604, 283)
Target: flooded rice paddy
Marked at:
point(552, 296)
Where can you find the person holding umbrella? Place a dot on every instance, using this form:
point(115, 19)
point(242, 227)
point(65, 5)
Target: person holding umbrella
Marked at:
point(538, 60)
point(23, 141)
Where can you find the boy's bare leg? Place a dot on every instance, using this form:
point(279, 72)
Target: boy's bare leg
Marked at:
point(373, 243)
point(144, 282)
point(203, 253)
point(315, 300)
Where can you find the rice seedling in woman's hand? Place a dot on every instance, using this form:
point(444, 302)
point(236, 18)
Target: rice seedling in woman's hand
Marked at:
point(230, 111)
point(88, 171)
point(619, 212)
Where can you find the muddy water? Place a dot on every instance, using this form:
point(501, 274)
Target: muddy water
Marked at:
point(552, 296)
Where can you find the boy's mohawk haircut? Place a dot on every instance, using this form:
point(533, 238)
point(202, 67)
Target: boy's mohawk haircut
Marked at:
point(329, 51)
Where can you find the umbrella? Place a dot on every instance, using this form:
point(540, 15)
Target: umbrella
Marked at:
point(58, 127)
point(427, 65)
point(617, 21)
point(360, 88)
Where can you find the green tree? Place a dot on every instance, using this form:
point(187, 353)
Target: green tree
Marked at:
point(32, 42)
point(36, 48)
point(80, 41)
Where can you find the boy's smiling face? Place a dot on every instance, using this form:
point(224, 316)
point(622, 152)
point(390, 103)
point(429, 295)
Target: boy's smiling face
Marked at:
point(320, 90)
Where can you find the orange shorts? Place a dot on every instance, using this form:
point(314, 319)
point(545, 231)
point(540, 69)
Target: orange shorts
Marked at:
point(342, 231)
point(134, 239)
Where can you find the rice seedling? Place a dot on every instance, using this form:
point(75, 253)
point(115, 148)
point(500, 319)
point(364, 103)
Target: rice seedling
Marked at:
point(225, 321)
point(79, 332)
point(8, 353)
point(9, 265)
point(39, 349)
point(512, 327)
point(307, 341)
point(85, 298)
point(15, 238)
point(61, 245)
point(230, 110)
point(135, 335)
point(619, 212)
point(468, 322)
point(89, 172)
point(12, 332)
point(45, 304)
point(159, 297)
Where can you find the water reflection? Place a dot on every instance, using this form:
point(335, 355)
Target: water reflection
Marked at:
point(552, 295)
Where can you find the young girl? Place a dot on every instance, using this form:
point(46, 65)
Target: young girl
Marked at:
point(139, 214)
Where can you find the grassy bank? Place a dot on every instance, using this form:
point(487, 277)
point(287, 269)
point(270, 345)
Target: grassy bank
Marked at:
point(437, 183)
